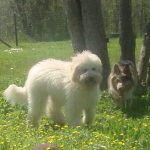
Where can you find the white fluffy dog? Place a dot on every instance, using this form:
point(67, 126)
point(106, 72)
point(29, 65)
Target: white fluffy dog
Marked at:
point(53, 83)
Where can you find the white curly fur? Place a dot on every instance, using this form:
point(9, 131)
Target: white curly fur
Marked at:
point(52, 84)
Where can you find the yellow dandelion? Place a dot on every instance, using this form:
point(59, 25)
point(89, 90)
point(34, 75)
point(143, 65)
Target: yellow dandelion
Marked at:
point(112, 117)
point(136, 129)
point(107, 137)
point(96, 136)
point(48, 148)
point(90, 143)
point(53, 136)
point(65, 126)
point(144, 124)
point(1, 143)
point(61, 146)
point(113, 142)
point(50, 141)
point(121, 143)
point(121, 133)
point(56, 125)
point(76, 132)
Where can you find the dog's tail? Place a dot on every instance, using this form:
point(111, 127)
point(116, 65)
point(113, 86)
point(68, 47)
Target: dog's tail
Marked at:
point(15, 94)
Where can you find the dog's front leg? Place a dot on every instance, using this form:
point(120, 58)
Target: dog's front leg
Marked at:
point(89, 115)
point(73, 112)
point(128, 103)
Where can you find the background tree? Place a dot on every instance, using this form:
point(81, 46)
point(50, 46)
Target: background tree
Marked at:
point(87, 31)
point(144, 55)
point(127, 36)
point(74, 18)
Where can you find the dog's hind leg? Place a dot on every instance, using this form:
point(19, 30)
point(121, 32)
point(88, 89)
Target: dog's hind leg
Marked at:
point(36, 107)
point(118, 103)
point(54, 112)
point(89, 115)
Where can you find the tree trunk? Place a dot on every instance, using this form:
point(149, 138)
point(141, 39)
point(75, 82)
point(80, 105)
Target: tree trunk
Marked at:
point(144, 55)
point(148, 76)
point(94, 33)
point(127, 37)
point(74, 17)
point(87, 30)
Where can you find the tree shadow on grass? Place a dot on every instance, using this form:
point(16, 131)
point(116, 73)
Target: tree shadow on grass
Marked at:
point(141, 105)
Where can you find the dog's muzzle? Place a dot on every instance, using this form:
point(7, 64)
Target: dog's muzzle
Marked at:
point(121, 89)
point(90, 81)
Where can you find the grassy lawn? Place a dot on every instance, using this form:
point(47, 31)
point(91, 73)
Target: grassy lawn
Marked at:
point(113, 129)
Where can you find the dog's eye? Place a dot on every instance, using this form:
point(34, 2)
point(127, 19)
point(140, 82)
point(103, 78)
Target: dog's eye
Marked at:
point(85, 70)
point(93, 69)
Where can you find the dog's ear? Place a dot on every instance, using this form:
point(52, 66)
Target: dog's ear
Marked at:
point(74, 73)
point(116, 69)
point(127, 71)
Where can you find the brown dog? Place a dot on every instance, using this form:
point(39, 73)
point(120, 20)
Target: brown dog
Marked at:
point(45, 146)
point(122, 83)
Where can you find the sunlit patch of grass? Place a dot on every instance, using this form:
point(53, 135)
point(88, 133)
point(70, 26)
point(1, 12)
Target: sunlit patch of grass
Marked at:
point(112, 129)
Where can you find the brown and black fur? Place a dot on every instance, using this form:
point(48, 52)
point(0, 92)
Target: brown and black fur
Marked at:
point(122, 83)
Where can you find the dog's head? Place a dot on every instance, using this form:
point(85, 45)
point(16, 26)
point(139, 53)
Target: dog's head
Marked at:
point(86, 69)
point(122, 78)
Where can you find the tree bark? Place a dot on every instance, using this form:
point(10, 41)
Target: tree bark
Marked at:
point(148, 76)
point(87, 31)
point(94, 33)
point(144, 55)
point(74, 18)
point(127, 36)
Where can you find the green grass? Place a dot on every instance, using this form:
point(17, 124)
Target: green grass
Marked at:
point(113, 129)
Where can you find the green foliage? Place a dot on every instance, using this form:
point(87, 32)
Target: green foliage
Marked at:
point(36, 20)
point(113, 128)
point(45, 20)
